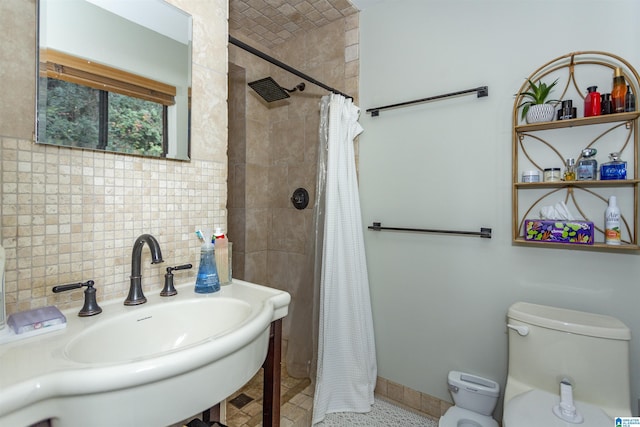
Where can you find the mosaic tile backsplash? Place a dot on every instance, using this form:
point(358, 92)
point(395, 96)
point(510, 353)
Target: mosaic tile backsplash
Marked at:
point(72, 216)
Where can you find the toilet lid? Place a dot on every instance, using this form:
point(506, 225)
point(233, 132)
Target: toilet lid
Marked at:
point(460, 417)
point(534, 408)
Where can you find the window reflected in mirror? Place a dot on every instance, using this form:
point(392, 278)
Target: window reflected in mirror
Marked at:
point(114, 79)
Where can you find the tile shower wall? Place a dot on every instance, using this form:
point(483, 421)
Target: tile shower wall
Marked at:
point(72, 215)
point(273, 150)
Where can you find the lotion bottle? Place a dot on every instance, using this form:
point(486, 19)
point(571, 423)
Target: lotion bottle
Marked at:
point(612, 223)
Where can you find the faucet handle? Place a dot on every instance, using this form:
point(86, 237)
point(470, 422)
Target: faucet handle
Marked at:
point(90, 307)
point(180, 267)
point(169, 289)
point(62, 288)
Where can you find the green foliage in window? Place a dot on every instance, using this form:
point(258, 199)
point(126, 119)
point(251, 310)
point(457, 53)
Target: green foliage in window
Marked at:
point(72, 114)
point(73, 119)
point(135, 125)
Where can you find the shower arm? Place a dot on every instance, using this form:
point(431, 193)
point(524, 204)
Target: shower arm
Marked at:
point(284, 66)
point(299, 87)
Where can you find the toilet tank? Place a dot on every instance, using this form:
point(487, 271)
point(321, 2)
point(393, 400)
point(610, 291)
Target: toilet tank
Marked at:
point(590, 350)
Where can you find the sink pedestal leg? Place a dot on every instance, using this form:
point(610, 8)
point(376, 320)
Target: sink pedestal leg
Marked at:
point(272, 378)
point(211, 413)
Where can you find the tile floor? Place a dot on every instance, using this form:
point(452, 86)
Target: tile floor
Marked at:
point(383, 414)
point(244, 408)
point(296, 403)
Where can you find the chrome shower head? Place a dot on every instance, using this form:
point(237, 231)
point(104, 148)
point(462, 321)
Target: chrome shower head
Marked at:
point(271, 91)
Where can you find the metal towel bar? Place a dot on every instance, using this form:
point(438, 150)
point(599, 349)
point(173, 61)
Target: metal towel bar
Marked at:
point(483, 233)
point(482, 91)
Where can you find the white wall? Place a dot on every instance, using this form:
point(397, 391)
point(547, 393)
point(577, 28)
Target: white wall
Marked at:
point(440, 301)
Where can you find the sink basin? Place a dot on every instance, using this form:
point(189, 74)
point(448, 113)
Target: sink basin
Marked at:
point(152, 331)
point(149, 365)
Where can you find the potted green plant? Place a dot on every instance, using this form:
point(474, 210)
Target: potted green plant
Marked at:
point(536, 107)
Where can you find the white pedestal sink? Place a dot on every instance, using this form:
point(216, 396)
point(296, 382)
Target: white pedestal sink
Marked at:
point(148, 365)
point(157, 329)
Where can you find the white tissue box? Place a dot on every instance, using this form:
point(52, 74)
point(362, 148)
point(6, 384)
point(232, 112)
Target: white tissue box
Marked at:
point(556, 231)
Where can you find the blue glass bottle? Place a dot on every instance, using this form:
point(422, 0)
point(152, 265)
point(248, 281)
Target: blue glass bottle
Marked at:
point(207, 280)
point(615, 169)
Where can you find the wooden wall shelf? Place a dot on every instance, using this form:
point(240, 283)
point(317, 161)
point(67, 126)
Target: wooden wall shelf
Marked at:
point(536, 145)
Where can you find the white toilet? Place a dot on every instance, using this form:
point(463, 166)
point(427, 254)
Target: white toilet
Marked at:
point(475, 399)
point(566, 368)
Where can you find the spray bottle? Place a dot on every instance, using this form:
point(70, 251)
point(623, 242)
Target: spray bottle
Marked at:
point(612, 223)
point(207, 280)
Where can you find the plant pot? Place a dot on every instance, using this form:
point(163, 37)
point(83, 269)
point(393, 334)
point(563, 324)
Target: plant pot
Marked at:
point(540, 113)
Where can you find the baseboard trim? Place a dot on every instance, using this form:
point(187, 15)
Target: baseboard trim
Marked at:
point(422, 403)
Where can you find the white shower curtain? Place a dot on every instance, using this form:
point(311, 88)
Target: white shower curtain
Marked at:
point(347, 368)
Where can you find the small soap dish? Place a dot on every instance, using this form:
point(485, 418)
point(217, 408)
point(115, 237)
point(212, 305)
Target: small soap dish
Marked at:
point(29, 323)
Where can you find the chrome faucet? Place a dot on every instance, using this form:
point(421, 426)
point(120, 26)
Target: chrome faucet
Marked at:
point(136, 296)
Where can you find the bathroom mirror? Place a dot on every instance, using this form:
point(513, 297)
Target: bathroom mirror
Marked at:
point(114, 75)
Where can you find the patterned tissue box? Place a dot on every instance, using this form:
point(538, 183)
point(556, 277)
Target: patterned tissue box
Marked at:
point(572, 232)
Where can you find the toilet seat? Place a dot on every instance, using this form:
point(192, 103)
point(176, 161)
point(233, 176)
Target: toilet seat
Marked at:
point(533, 408)
point(459, 417)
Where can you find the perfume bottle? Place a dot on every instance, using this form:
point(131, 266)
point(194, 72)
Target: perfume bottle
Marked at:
point(605, 104)
point(592, 102)
point(615, 169)
point(629, 101)
point(567, 111)
point(587, 165)
point(619, 91)
point(570, 170)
